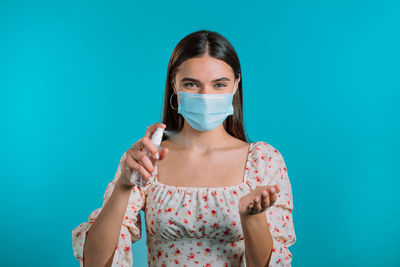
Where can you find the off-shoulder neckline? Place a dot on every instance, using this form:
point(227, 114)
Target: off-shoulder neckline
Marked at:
point(242, 184)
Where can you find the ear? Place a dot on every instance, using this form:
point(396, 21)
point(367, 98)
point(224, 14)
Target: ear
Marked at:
point(173, 87)
point(237, 84)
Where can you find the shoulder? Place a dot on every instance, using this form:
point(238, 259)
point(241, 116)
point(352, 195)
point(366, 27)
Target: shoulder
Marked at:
point(266, 151)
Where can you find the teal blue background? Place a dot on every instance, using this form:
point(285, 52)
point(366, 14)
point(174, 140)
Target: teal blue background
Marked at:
point(81, 80)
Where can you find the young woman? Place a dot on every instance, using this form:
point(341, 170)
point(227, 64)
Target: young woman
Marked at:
point(212, 197)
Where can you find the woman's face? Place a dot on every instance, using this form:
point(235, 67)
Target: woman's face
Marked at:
point(205, 75)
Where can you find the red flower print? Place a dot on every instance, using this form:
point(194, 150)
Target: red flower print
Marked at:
point(169, 192)
point(206, 252)
point(176, 261)
point(200, 216)
point(177, 252)
point(126, 249)
point(208, 265)
point(199, 244)
point(123, 236)
point(233, 244)
point(159, 211)
point(185, 220)
point(170, 222)
point(216, 225)
point(233, 223)
point(206, 207)
point(191, 256)
point(189, 212)
point(213, 212)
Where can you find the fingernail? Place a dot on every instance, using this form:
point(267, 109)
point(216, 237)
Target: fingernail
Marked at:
point(272, 190)
point(265, 194)
point(256, 200)
point(153, 173)
point(157, 156)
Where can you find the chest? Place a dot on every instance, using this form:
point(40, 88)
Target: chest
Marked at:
point(214, 170)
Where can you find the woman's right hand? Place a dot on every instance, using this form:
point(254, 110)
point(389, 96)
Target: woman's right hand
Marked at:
point(137, 160)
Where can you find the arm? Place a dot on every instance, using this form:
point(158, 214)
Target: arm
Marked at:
point(103, 235)
point(268, 235)
point(113, 228)
point(257, 239)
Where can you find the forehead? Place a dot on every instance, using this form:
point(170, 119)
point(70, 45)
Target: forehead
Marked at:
point(204, 68)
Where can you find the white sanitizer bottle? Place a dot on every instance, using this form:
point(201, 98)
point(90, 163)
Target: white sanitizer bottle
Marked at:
point(136, 177)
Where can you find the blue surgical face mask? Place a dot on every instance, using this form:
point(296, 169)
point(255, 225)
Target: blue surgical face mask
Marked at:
point(204, 112)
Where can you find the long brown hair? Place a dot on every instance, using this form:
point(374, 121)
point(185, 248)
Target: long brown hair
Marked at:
point(195, 45)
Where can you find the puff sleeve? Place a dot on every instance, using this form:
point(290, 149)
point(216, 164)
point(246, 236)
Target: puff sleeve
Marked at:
point(130, 229)
point(279, 215)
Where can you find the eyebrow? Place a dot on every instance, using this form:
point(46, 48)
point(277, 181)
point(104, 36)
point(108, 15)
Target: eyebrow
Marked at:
point(187, 79)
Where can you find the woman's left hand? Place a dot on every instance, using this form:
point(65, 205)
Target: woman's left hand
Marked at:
point(258, 200)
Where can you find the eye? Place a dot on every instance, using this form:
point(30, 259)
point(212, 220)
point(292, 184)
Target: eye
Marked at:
point(222, 85)
point(186, 84)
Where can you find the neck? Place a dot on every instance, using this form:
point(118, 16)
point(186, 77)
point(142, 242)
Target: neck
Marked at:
point(202, 142)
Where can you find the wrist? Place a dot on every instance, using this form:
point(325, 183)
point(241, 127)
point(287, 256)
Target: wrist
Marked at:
point(122, 187)
point(253, 217)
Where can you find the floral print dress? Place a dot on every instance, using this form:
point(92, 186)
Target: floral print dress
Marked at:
point(194, 226)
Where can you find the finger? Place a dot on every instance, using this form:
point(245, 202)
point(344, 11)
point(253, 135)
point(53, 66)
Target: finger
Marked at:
point(163, 153)
point(272, 195)
point(277, 188)
point(257, 203)
point(150, 147)
point(143, 160)
point(265, 199)
point(151, 129)
point(135, 166)
point(250, 208)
